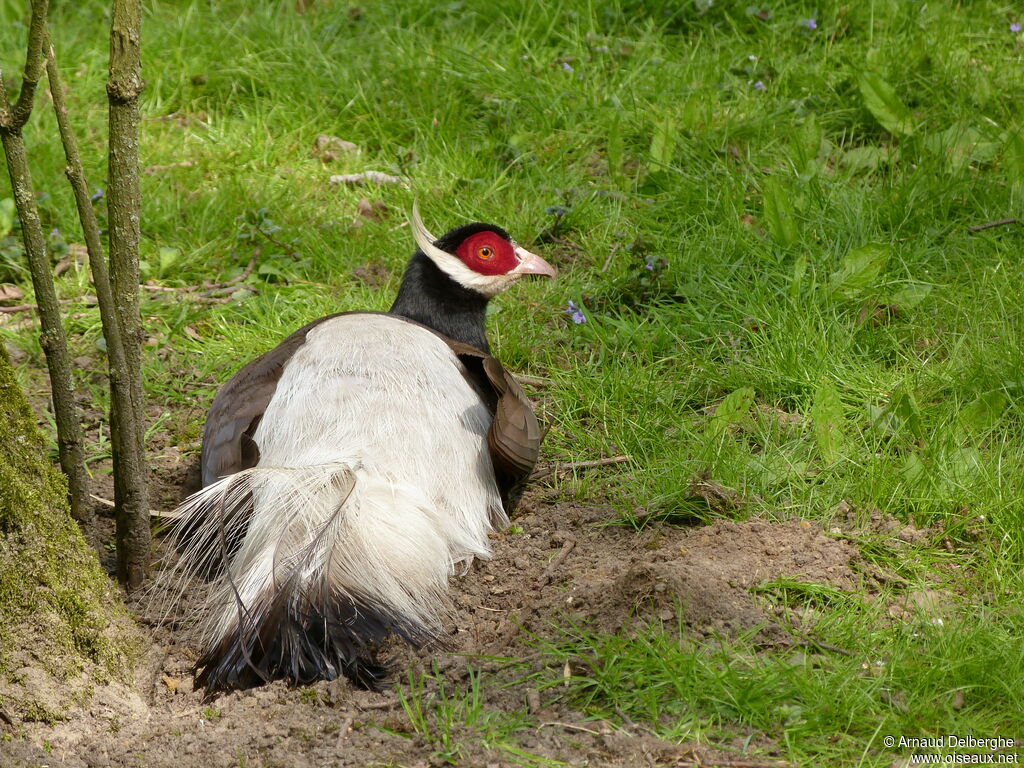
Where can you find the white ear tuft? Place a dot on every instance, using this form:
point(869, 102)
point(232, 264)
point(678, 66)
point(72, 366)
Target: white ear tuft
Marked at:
point(451, 265)
point(424, 239)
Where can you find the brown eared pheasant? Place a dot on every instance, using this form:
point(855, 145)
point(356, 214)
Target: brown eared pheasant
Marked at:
point(352, 469)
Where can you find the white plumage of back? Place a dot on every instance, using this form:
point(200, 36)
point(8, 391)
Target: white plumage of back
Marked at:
point(374, 482)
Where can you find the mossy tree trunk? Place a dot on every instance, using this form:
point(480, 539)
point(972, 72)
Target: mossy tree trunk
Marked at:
point(62, 624)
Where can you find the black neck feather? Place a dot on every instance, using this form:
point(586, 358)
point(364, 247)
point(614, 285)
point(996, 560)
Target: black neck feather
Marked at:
point(428, 296)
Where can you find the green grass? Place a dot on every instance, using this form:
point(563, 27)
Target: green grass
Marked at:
point(889, 376)
point(454, 721)
point(818, 708)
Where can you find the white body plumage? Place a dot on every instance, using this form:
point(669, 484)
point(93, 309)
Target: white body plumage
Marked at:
point(370, 496)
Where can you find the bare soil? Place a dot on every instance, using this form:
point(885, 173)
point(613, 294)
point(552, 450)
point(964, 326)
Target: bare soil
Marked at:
point(562, 563)
point(558, 563)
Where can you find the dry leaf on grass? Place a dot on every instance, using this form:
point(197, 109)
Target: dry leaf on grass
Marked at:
point(10, 292)
point(366, 177)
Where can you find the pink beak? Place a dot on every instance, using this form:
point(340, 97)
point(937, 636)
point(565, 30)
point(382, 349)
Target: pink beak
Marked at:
point(532, 264)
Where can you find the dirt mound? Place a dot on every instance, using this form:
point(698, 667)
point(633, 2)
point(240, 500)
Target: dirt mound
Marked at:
point(608, 575)
point(713, 568)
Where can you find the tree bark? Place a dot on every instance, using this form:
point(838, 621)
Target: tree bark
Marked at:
point(58, 609)
point(52, 336)
point(33, 65)
point(123, 203)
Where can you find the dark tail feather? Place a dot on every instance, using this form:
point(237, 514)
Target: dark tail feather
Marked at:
point(303, 639)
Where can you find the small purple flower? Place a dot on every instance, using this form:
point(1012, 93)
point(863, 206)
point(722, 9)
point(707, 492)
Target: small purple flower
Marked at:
point(1015, 27)
point(759, 86)
point(648, 266)
point(811, 23)
point(96, 195)
point(575, 311)
point(567, 67)
point(55, 232)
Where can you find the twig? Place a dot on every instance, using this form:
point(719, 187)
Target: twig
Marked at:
point(542, 473)
point(611, 255)
point(366, 177)
point(90, 300)
point(571, 727)
point(19, 308)
point(556, 561)
point(151, 169)
point(287, 249)
point(378, 705)
point(533, 381)
point(169, 515)
point(991, 224)
point(172, 514)
point(208, 289)
point(806, 642)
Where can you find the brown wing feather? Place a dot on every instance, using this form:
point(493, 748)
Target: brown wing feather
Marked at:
point(514, 436)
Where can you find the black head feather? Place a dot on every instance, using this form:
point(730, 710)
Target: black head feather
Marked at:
point(429, 296)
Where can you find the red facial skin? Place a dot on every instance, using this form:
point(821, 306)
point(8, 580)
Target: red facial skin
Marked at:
point(487, 253)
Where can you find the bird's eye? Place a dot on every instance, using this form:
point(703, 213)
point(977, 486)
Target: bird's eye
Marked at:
point(485, 253)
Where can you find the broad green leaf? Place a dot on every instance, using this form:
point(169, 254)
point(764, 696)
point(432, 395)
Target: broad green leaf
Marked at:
point(984, 411)
point(860, 268)
point(882, 420)
point(615, 147)
point(694, 113)
point(914, 470)
point(799, 270)
point(776, 467)
point(866, 159)
point(902, 411)
point(733, 410)
point(963, 465)
point(778, 214)
point(805, 147)
point(961, 145)
point(827, 419)
point(7, 210)
point(1013, 156)
point(269, 270)
point(910, 295)
point(168, 258)
point(881, 100)
point(663, 144)
point(905, 408)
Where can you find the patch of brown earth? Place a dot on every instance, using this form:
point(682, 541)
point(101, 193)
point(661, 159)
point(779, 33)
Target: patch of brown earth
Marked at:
point(557, 562)
point(612, 574)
